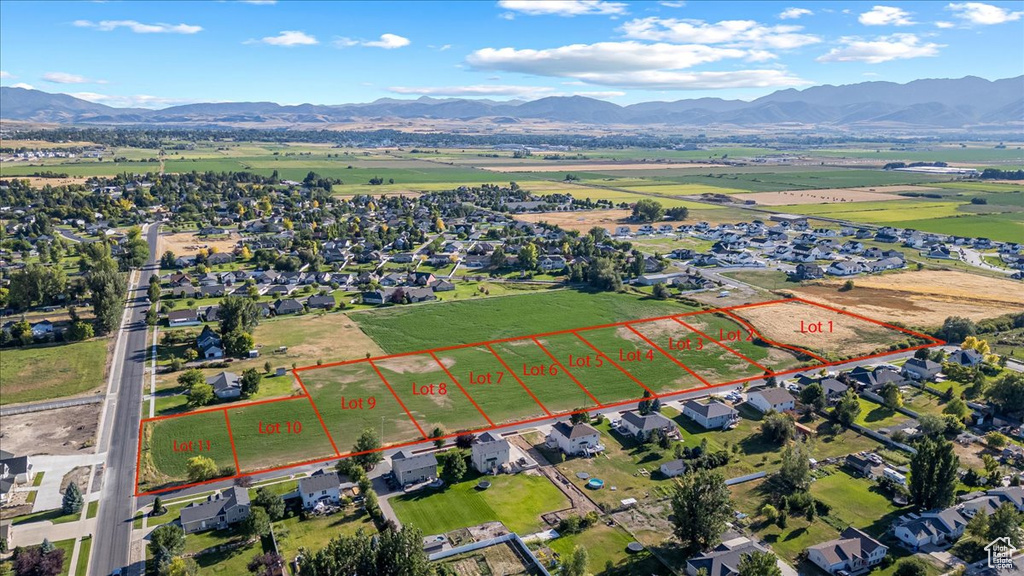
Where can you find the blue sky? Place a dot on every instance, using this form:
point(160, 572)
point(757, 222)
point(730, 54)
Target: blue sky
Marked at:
point(155, 54)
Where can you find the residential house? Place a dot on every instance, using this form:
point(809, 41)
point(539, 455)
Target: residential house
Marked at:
point(490, 453)
point(860, 464)
point(551, 262)
point(218, 511)
point(287, 306)
point(209, 345)
point(673, 468)
point(442, 286)
point(412, 468)
point(875, 377)
point(807, 272)
point(724, 559)
point(226, 385)
point(320, 486)
point(419, 294)
point(641, 426)
point(921, 369)
point(832, 389)
point(14, 470)
point(936, 527)
point(576, 439)
point(845, 268)
point(183, 318)
point(711, 415)
point(769, 399)
point(854, 552)
point(969, 358)
point(320, 302)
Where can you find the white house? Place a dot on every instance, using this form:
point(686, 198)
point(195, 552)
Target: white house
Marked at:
point(854, 552)
point(183, 318)
point(935, 527)
point(413, 468)
point(673, 468)
point(768, 399)
point(968, 358)
point(321, 486)
point(575, 439)
point(490, 453)
point(919, 369)
point(711, 415)
point(226, 385)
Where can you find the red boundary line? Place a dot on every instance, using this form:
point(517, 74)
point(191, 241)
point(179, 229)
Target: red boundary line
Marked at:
point(613, 363)
point(463, 390)
point(316, 411)
point(521, 383)
point(748, 326)
point(933, 342)
point(692, 329)
point(566, 370)
point(670, 357)
point(400, 403)
point(231, 437)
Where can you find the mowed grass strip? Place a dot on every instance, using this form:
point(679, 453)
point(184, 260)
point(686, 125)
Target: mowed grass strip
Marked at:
point(344, 395)
point(548, 382)
point(493, 388)
point(168, 445)
point(411, 328)
point(711, 362)
point(516, 501)
point(277, 434)
point(430, 395)
point(640, 359)
point(41, 373)
point(599, 376)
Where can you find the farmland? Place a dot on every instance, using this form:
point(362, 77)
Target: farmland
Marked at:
point(41, 373)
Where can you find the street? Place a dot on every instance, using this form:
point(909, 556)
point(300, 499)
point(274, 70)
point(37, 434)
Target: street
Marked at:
point(119, 433)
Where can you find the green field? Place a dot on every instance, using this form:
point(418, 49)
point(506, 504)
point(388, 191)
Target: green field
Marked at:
point(516, 501)
point(490, 384)
point(430, 395)
point(641, 360)
point(549, 383)
point(277, 434)
point(406, 329)
point(606, 544)
point(1006, 227)
point(41, 373)
point(294, 534)
point(604, 381)
point(162, 464)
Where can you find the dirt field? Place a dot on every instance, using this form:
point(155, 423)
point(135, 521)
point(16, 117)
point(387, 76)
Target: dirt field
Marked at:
point(595, 167)
point(500, 559)
point(37, 182)
point(789, 323)
point(56, 432)
point(947, 284)
point(612, 219)
point(832, 196)
point(187, 243)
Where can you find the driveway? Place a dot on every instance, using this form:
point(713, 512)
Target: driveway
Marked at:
point(48, 496)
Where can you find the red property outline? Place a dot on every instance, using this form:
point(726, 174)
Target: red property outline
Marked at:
point(931, 341)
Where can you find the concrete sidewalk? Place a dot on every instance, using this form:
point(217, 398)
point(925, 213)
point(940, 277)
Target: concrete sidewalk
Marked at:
point(48, 496)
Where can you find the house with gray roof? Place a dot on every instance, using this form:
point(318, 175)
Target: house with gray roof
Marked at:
point(641, 426)
point(968, 358)
point(936, 527)
point(490, 453)
point(575, 439)
point(226, 385)
point(853, 552)
point(412, 468)
point(320, 486)
point(218, 511)
point(921, 369)
point(712, 415)
point(724, 560)
point(769, 399)
point(673, 468)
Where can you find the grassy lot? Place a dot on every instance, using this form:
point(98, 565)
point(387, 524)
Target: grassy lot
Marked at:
point(294, 533)
point(411, 328)
point(857, 502)
point(276, 434)
point(486, 380)
point(161, 464)
point(767, 279)
point(875, 416)
point(516, 501)
point(606, 544)
point(54, 516)
point(922, 402)
point(44, 372)
point(1005, 227)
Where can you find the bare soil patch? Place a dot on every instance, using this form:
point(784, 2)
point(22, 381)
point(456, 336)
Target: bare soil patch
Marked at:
point(188, 243)
point(78, 475)
point(55, 432)
point(585, 220)
point(945, 284)
point(37, 182)
point(827, 196)
point(596, 167)
point(418, 364)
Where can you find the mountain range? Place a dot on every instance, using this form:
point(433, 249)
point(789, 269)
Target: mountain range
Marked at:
point(921, 104)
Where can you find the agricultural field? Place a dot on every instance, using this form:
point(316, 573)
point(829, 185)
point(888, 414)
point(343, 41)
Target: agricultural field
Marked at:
point(45, 372)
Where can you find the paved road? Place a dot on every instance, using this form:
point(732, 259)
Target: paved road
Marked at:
point(119, 435)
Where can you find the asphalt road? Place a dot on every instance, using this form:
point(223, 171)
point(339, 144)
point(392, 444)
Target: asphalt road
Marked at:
point(120, 432)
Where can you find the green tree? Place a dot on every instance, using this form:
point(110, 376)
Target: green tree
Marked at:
point(257, 523)
point(73, 500)
point(892, 396)
point(759, 563)
point(271, 502)
point(958, 408)
point(237, 313)
point(200, 468)
point(190, 378)
point(1007, 392)
point(251, 379)
point(1005, 522)
point(238, 343)
point(528, 257)
point(777, 428)
point(179, 566)
point(795, 472)
point(200, 395)
point(153, 292)
point(848, 408)
point(576, 563)
point(955, 329)
point(647, 210)
point(108, 291)
point(437, 434)
point(933, 474)
point(367, 450)
point(701, 506)
point(166, 541)
point(454, 468)
point(498, 258)
point(79, 331)
point(167, 260)
point(661, 292)
point(603, 275)
point(911, 567)
point(813, 396)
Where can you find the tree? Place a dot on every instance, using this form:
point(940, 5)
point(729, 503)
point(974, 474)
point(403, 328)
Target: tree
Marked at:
point(167, 260)
point(237, 313)
point(166, 541)
point(158, 506)
point(366, 449)
point(73, 500)
point(647, 210)
point(108, 290)
point(700, 509)
point(996, 440)
point(257, 524)
point(661, 292)
point(250, 382)
point(677, 213)
point(795, 472)
point(933, 474)
point(777, 427)
point(267, 564)
point(1008, 392)
point(454, 468)
point(922, 354)
point(576, 563)
point(931, 425)
point(437, 434)
point(528, 257)
point(1005, 522)
point(759, 563)
point(238, 343)
point(271, 502)
point(813, 396)
point(911, 567)
point(35, 561)
point(200, 468)
point(498, 258)
point(200, 395)
point(79, 331)
point(956, 329)
point(190, 378)
point(179, 566)
point(848, 408)
point(603, 275)
point(153, 292)
point(958, 408)
point(892, 395)
point(645, 405)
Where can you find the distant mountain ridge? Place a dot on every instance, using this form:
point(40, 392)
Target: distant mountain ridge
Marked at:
point(925, 104)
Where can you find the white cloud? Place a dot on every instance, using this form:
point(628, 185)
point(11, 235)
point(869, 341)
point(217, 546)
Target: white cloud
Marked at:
point(600, 94)
point(882, 49)
point(564, 7)
point(133, 101)
point(730, 32)
point(886, 16)
point(388, 42)
point(445, 47)
point(65, 78)
point(23, 85)
point(600, 57)
point(287, 38)
point(794, 13)
point(674, 80)
point(944, 24)
point(139, 27)
point(507, 16)
point(5, 74)
point(471, 90)
point(983, 14)
point(675, 4)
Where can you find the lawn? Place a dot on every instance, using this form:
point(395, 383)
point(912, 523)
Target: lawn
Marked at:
point(1004, 227)
point(484, 378)
point(94, 507)
point(548, 382)
point(856, 501)
point(277, 434)
point(767, 279)
point(409, 328)
point(313, 534)
point(84, 549)
point(606, 544)
point(162, 463)
point(44, 372)
point(875, 416)
point(516, 501)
